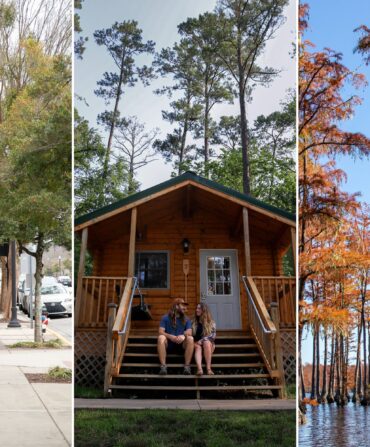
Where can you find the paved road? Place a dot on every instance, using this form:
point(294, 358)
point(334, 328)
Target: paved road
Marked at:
point(62, 325)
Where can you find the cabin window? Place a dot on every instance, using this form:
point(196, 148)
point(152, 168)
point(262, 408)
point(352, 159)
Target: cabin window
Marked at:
point(152, 269)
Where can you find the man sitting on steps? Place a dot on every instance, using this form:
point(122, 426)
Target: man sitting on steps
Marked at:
point(175, 336)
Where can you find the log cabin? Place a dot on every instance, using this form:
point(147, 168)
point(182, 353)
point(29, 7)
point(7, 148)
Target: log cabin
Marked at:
point(188, 237)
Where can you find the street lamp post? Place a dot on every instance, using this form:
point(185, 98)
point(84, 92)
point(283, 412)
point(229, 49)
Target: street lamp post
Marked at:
point(14, 321)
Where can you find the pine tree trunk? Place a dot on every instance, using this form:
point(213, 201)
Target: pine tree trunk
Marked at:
point(114, 121)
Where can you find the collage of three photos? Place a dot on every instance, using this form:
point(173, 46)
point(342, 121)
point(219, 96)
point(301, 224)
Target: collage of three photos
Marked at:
point(184, 223)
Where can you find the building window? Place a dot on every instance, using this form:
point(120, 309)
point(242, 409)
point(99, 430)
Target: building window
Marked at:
point(152, 269)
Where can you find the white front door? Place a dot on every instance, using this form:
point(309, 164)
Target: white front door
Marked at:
point(219, 286)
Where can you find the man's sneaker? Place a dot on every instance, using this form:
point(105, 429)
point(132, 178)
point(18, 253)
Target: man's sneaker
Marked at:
point(163, 370)
point(187, 370)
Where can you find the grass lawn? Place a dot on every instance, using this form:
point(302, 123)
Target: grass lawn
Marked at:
point(183, 428)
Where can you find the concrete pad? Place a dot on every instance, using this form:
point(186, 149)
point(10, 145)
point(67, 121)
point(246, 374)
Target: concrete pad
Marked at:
point(34, 369)
point(12, 375)
point(55, 396)
point(29, 429)
point(19, 398)
point(191, 404)
point(44, 358)
point(63, 420)
point(249, 405)
point(136, 404)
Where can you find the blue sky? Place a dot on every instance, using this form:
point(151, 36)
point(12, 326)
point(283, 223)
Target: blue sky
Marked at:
point(331, 25)
point(158, 20)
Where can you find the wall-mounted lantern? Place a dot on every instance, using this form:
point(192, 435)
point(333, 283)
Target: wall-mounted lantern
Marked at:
point(185, 245)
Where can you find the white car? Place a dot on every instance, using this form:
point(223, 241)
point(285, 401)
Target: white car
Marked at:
point(24, 292)
point(56, 300)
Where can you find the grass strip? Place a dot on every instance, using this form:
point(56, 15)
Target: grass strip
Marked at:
point(182, 428)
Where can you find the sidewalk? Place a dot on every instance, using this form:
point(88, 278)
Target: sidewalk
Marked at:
point(32, 414)
point(191, 404)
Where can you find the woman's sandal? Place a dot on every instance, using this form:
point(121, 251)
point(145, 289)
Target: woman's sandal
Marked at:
point(210, 372)
point(199, 372)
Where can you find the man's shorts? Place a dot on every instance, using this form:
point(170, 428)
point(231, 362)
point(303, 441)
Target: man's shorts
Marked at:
point(174, 348)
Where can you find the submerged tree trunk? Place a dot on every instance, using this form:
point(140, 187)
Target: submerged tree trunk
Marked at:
point(330, 397)
point(364, 400)
point(357, 383)
point(317, 363)
point(324, 373)
point(313, 372)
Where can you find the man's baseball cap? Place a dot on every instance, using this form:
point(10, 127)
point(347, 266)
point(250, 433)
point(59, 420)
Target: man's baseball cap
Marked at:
point(180, 301)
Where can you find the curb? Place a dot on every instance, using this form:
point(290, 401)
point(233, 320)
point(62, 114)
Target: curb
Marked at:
point(64, 340)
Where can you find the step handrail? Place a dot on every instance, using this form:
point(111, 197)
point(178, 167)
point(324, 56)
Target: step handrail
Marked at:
point(117, 335)
point(261, 325)
point(272, 328)
point(133, 288)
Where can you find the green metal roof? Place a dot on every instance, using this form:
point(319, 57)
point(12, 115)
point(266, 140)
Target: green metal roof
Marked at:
point(175, 181)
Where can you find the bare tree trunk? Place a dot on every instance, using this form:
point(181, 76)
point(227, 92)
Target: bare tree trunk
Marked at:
point(38, 280)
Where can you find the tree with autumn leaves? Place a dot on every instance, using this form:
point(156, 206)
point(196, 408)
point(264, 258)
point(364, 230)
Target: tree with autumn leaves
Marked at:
point(333, 226)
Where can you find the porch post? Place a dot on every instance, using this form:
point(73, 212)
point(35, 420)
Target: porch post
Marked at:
point(131, 251)
point(274, 309)
point(81, 271)
point(247, 249)
point(109, 347)
point(294, 246)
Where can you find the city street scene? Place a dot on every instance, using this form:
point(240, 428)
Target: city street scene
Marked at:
point(36, 298)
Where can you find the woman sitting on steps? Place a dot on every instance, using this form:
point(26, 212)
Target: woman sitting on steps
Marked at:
point(204, 333)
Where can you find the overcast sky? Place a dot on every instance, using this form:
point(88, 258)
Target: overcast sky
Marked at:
point(159, 19)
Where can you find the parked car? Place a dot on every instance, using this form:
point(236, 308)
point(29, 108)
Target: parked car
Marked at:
point(22, 290)
point(65, 280)
point(56, 300)
point(46, 281)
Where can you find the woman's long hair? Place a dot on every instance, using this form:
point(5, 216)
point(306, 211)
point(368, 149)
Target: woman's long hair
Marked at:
point(205, 320)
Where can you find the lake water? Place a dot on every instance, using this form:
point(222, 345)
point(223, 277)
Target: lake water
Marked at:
point(332, 426)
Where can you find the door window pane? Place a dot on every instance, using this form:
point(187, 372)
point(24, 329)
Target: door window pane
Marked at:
point(219, 275)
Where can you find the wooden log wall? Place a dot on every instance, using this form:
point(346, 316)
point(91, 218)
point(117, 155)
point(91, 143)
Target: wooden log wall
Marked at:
point(204, 231)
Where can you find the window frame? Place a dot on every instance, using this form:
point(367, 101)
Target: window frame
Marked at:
point(167, 252)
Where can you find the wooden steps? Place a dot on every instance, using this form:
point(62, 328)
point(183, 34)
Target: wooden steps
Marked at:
point(195, 388)
point(239, 371)
point(181, 365)
point(193, 376)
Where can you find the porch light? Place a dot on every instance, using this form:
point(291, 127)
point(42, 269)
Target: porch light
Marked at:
point(185, 245)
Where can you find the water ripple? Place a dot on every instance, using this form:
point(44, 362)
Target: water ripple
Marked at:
point(332, 426)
